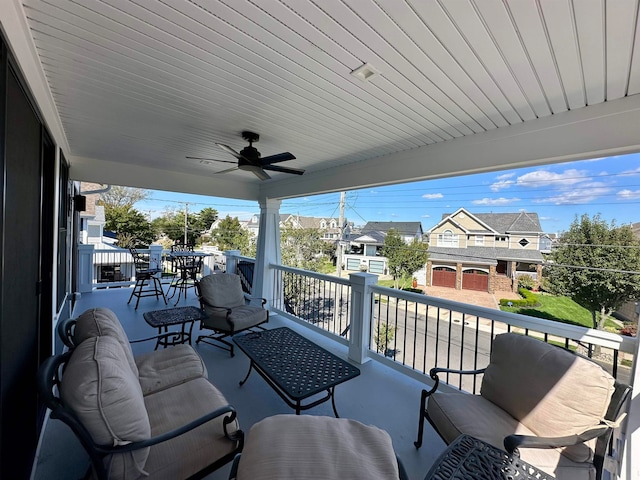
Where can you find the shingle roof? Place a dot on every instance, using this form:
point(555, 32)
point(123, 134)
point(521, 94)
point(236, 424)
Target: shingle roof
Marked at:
point(404, 228)
point(508, 222)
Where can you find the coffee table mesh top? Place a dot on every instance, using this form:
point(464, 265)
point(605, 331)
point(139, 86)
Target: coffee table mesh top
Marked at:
point(470, 458)
point(299, 367)
point(173, 316)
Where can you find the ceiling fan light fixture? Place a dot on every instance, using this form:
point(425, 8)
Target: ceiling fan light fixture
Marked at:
point(365, 72)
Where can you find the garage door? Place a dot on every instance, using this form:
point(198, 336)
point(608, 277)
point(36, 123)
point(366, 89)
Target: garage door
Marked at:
point(443, 277)
point(475, 280)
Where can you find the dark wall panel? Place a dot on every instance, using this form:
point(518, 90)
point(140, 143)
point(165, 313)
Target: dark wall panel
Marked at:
point(19, 277)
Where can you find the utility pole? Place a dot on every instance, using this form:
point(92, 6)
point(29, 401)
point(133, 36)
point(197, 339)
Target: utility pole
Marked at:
point(186, 213)
point(341, 235)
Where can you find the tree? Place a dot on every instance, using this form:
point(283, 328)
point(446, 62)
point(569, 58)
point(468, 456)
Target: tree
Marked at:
point(302, 248)
point(205, 219)
point(172, 224)
point(122, 196)
point(403, 259)
point(229, 235)
point(596, 265)
point(132, 227)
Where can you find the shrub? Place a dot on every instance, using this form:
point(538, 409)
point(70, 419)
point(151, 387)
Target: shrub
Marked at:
point(526, 281)
point(411, 289)
point(384, 334)
point(529, 299)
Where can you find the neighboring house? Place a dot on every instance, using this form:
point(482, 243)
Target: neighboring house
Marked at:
point(110, 263)
point(329, 226)
point(485, 251)
point(366, 245)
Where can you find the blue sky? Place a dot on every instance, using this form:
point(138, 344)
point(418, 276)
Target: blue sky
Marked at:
point(608, 186)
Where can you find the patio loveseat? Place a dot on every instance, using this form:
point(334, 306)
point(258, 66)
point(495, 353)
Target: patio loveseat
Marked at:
point(554, 408)
point(154, 415)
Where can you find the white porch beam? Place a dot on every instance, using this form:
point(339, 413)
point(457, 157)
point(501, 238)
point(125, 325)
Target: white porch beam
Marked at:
point(600, 130)
point(119, 173)
point(268, 249)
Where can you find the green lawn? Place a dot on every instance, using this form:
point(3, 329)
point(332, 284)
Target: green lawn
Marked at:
point(560, 309)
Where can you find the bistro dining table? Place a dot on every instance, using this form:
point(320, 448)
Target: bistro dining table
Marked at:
point(189, 265)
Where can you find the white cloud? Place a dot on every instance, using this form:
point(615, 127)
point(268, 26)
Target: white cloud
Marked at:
point(629, 194)
point(584, 193)
point(432, 196)
point(635, 171)
point(543, 178)
point(426, 216)
point(502, 182)
point(495, 201)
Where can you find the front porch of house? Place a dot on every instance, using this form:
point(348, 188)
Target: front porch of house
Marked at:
point(380, 396)
point(345, 315)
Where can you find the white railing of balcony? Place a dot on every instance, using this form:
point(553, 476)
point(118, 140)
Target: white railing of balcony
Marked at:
point(315, 299)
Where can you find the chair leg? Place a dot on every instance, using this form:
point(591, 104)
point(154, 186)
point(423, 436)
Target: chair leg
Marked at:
point(209, 339)
point(423, 405)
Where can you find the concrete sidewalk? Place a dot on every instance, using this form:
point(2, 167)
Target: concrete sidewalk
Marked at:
point(472, 297)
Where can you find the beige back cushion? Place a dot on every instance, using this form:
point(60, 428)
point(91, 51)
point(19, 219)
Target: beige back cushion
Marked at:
point(548, 389)
point(102, 321)
point(222, 290)
point(99, 387)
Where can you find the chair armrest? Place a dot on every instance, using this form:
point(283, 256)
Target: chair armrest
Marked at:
point(433, 373)
point(237, 436)
point(249, 298)
point(513, 442)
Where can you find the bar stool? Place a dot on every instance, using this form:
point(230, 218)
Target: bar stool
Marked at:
point(147, 282)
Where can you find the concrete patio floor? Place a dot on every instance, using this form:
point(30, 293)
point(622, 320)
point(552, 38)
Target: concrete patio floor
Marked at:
point(380, 396)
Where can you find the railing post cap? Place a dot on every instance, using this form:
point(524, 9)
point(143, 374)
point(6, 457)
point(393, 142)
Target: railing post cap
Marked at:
point(363, 278)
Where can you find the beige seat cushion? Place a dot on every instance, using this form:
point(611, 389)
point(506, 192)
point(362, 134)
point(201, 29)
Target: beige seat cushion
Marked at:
point(100, 388)
point(294, 447)
point(185, 455)
point(161, 369)
point(548, 389)
point(102, 321)
point(458, 412)
point(241, 318)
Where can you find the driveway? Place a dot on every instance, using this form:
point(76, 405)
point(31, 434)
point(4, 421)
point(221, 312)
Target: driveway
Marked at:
point(482, 299)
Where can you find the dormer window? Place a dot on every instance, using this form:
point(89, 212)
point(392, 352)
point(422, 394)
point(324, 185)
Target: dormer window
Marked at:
point(333, 224)
point(323, 224)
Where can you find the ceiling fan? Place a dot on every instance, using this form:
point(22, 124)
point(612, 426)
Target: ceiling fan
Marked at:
point(249, 159)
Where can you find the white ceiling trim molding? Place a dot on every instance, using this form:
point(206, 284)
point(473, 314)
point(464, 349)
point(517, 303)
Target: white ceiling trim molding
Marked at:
point(604, 129)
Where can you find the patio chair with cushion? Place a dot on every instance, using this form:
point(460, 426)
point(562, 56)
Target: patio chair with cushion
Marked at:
point(554, 408)
point(228, 312)
point(292, 447)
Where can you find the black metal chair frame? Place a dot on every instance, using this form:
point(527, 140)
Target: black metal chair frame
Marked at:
point(49, 380)
point(148, 283)
point(603, 433)
point(220, 335)
point(188, 268)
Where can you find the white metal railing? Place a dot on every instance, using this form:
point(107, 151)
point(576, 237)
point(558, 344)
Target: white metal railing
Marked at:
point(313, 298)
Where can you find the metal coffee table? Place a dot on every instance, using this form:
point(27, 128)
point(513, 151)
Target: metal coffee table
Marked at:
point(468, 458)
point(295, 367)
point(163, 319)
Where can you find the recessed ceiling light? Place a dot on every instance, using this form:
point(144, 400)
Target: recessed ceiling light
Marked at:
point(365, 72)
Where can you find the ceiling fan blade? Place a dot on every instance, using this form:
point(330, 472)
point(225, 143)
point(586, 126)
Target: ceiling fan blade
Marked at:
point(229, 150)
point(227, 170)
point(210, 159)
point(260, 173)
point(294, 171)
point(278, 157)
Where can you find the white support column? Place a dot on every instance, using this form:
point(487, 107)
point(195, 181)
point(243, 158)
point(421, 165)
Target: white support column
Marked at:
point(85, 268)
point(361, 315)
point(268, 249)
point(630, 469)
point(231, 262)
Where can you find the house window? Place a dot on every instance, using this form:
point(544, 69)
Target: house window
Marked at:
point(479, 241)
point(333, 224)
point(447, 239)
point(524, 242)
point(501, 239)
point(323, 224)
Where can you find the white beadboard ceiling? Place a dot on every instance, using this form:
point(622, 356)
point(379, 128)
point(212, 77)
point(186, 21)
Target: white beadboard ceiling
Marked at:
point(463, 86)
